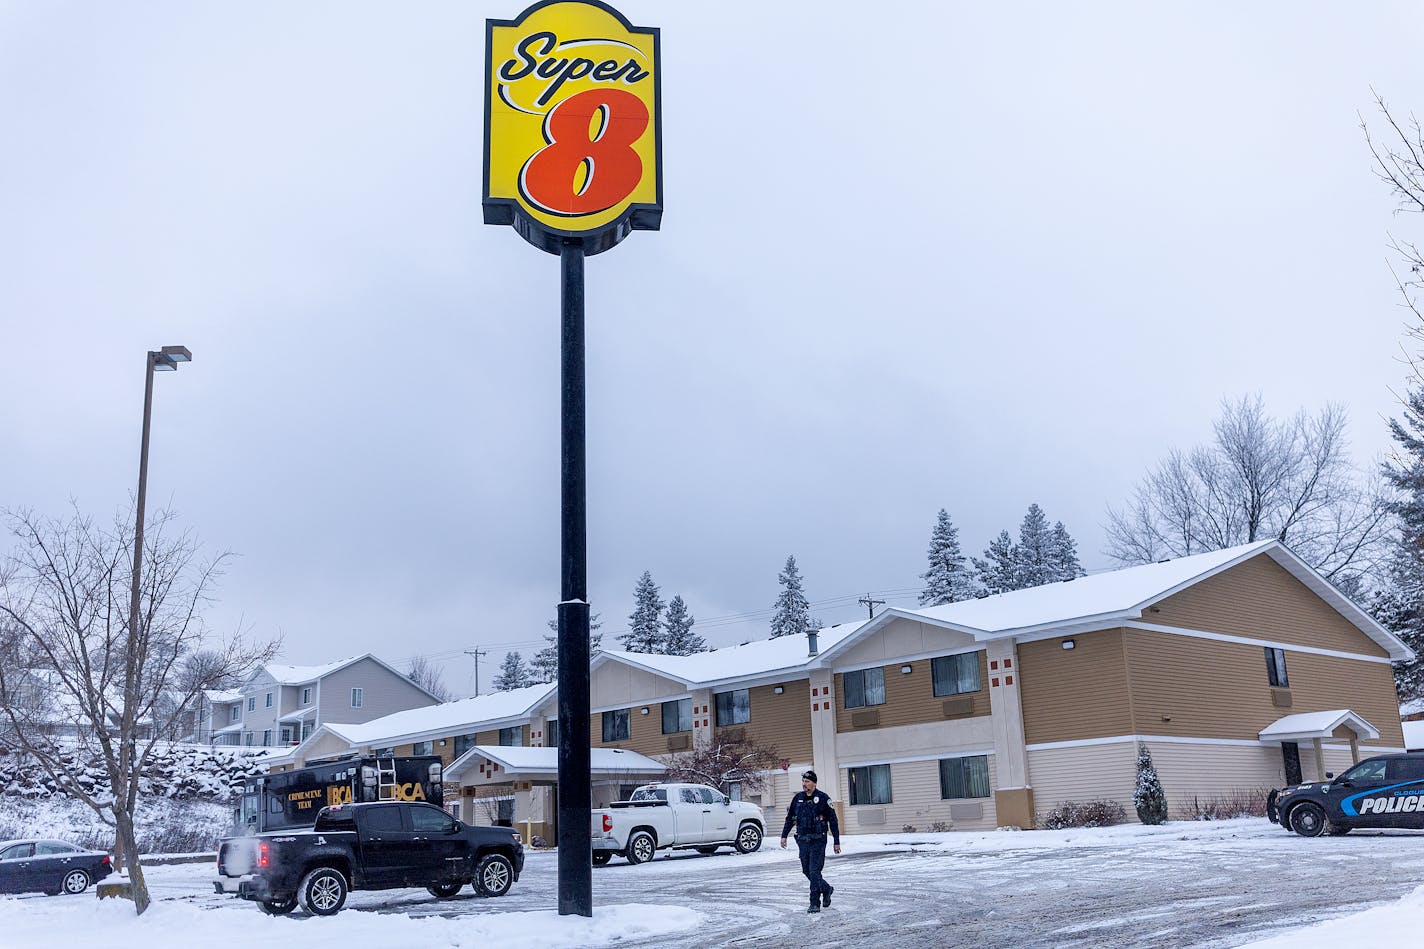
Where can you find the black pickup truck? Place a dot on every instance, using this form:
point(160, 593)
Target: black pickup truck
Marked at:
point(377, 846)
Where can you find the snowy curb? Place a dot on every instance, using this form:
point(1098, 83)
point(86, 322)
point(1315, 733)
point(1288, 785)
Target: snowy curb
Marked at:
point(1394, 924)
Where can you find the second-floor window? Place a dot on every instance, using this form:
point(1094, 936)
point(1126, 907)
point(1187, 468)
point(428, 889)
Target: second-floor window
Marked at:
point(236, 712)
point(463, 743)
point(1276, 668)
point(615, 725)
point(955, 675)
point(421, 748)
point(269, 699)
point(677, 716)
point(252, 704)
point(734, 708)
point(512, 737)
point(552, 731)
point(864, 687)
point(306, 696)
point(358, 697)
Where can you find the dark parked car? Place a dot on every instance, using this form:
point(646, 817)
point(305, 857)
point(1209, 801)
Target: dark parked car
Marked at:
point(1384, 791)
point(49, 866)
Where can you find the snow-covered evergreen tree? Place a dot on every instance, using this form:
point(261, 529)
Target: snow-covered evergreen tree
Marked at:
point(645, 632)
point(513, 673)
point(1034, 554)
point(1399, 606)
point(544, 667)
point(948, 579)
point(1148, 796)
point(678, 637)
point(793, 611)
point(1064, 555)
point(997, 570)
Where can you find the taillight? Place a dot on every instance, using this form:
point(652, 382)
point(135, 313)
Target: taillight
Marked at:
point(106, 861)
point(263, 858)
point(607, 823)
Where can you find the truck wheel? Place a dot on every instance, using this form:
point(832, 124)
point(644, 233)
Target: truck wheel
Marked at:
point(1308, 819)
point(322, 891)
point(277, 907)
point(641, 847)
point(749, 839)
point(443, 891)
point(494, 875)
point(601, 857)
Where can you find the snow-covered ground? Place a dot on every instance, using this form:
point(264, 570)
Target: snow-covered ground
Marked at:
point(1202, 885)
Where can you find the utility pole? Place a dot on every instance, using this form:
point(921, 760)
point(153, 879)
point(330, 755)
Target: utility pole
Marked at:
point(870, 604)
point(476, 654)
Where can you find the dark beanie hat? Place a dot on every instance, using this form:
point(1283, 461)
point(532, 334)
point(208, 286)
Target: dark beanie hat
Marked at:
point(809, 775)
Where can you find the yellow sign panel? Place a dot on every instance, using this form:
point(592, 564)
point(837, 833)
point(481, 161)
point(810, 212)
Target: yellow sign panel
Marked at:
point(573, 136)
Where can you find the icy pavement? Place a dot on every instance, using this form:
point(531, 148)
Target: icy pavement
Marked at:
point(1203, 885)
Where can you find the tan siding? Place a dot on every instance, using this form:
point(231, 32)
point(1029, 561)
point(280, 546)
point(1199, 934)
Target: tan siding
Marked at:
point(915, 802)
point(1071, 694)
point(645, 731)
point(781, 721)
point(1260, 599)
point(1211, 689)
point(910, 698)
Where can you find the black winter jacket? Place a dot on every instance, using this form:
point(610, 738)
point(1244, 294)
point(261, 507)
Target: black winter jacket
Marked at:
point(813, 815)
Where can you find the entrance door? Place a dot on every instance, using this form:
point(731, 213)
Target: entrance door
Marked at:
point(1290, 751)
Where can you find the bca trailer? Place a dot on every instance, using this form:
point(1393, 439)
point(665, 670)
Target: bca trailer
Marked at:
point(291, 799)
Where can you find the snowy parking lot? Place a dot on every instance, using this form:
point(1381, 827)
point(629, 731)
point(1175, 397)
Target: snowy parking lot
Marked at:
point(1220, 884)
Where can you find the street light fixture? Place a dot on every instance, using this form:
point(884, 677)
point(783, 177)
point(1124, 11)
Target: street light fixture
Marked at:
point(162, 360)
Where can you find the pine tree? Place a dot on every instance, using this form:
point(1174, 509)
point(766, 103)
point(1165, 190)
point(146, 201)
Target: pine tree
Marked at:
point(793, 611)
point(544, 667)
point(1033, 555)
point(1064, 556)
point(1399, 606)
point(948, 579)
point(1148, 796)
point(678, 637)
point(513, 673)
point(645, 632)
point(998, 571)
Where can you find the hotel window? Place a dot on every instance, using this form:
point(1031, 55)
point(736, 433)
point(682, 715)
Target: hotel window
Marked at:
point(421, 748)
point(870, 784)
point(1276, 668)
point(463, 743)
point(733, 708)
point(677, 716)
point(955, 675)
point(306, 696)
point(236, 712)
point(512, 737)
point(269, 699)
point(615, 725)
point(864, 687)
point(358, 697)
point(964, 777)
point(551, 732)
point(252, 704)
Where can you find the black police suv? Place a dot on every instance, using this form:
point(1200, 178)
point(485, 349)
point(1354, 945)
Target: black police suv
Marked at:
point(1384, 791)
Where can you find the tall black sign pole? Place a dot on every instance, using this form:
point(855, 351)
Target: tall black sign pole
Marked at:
point(575, 784)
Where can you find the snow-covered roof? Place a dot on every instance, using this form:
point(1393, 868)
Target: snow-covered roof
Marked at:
point(228, 729)
point(1317, 725)
point(296, 675)
point(1117, 595)
point(1413, 735)
point(545, 761)
point(299, 715)
point(448, 718)
point(219, 696)
point(748, 660)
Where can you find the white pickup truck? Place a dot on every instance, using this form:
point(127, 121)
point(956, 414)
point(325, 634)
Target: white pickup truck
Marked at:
point(674, 816)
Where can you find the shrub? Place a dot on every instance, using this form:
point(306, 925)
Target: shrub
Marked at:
point(1086, 814)
point(1148, 796)
point(939, 827)
point(908, 829)
point(1234, 802)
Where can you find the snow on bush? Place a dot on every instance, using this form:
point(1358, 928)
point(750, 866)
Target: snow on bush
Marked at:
point(162, 825)
point(1148, 796)
point(178, 772)
point(1086, 814)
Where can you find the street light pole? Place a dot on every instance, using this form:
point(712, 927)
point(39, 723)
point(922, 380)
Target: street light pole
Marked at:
point(163, 360)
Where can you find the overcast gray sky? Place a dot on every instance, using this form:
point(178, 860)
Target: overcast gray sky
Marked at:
point(914, 255)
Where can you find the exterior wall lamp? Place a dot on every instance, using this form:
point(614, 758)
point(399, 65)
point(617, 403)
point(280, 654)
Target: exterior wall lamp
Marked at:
point(1069, 643)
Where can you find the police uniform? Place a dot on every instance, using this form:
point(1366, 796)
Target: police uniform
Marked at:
point(813, 816)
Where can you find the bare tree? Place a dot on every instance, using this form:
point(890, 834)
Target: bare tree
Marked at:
point(732, 757)
point(1261, 478)
point(81, 685)
point(427, 675)
point(1399, 163)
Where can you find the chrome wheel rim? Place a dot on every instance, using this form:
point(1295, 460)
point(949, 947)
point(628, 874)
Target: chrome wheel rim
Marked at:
point(748, 838)
point(326, 893)
point(643, 847)
point(75, 882)
point(496, 876)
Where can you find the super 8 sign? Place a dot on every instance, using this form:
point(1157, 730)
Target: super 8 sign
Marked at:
point(573, 138)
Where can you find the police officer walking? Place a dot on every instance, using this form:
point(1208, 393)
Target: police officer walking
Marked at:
point(813, 815)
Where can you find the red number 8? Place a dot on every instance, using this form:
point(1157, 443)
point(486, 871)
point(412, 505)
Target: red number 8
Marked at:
point(612, 169)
